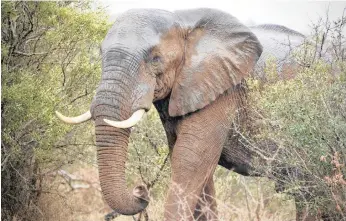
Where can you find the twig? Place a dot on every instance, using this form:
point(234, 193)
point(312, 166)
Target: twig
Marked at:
point(29, 54)
point(152, 183)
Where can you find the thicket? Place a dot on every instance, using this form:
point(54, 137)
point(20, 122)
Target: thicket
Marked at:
point(303, 115)
point(49, 60)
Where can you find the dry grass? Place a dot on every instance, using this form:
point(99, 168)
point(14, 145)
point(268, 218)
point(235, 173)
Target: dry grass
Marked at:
point(238, 198)
point(250, 198)
point(76, 200)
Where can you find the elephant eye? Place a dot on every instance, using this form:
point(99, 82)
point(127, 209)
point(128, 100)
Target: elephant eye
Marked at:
point(156, 60)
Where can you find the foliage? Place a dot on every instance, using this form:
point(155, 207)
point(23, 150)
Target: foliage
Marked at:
point(305, 117)
point(298, 122)
point(49, 59)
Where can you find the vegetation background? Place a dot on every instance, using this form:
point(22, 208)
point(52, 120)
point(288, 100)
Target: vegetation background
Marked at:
point(50, 61)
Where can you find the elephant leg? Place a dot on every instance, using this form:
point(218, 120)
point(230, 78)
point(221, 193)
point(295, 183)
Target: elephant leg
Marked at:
point(195, 155)
point(190, 174)
point(206, 208)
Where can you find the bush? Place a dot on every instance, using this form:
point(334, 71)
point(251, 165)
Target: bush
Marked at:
point(48, 49)
point(305, 117)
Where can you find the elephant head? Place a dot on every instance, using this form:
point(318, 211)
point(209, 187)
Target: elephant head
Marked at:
point(187, 57)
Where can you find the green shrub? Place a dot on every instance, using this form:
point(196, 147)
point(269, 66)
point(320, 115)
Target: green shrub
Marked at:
point(306, 117)
point(49, 59)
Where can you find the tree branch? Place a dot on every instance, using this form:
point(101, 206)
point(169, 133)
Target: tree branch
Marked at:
point(29, 54)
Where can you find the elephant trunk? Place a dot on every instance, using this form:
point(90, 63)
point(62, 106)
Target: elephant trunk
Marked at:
point(115, 101)
point(112, 144)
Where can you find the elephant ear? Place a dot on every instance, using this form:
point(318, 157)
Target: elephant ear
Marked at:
point(219, 53)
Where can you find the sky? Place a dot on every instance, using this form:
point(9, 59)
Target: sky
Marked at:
point(296, 15)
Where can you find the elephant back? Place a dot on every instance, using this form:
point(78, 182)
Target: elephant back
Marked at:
point(278, 43)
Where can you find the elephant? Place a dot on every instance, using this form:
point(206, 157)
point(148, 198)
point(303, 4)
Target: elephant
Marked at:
point(191, 64)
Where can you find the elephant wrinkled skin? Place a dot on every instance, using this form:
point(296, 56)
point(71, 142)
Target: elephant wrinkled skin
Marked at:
point(191, 65)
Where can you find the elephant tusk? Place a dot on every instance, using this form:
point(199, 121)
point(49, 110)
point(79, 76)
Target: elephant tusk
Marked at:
point(133, 120)
point(74, 120)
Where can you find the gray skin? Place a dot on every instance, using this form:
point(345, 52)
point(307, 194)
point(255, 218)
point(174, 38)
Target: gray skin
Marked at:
point(278, 42)
point(190, 64)
point(281, 43)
